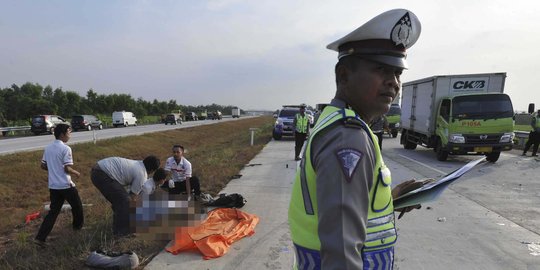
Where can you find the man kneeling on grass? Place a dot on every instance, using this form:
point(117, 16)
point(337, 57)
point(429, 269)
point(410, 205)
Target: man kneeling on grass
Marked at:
point(180, 173)
point(113, 176)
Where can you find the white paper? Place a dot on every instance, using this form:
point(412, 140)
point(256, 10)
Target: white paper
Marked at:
point(432, 191)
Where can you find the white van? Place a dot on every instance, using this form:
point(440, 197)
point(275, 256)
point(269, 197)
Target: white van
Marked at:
point(123, 118)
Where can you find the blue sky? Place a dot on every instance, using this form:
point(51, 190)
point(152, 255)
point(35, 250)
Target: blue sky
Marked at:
point(253, 54)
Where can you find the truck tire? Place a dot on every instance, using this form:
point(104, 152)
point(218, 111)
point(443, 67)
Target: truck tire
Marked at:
point(89, 127)
point(100, 126)
point(442, 154)
point(406, 143)
point(493, 156)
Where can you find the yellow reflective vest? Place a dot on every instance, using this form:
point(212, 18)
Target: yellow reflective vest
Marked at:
point(303, 216)
point(301, 123)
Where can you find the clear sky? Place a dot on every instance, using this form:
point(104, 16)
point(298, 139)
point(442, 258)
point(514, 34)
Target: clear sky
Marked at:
point(256, 54)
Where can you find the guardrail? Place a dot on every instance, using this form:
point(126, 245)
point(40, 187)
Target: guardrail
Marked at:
point(5, 130)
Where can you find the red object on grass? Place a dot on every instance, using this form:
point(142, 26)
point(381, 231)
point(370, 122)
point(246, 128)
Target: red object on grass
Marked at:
point(32, 216)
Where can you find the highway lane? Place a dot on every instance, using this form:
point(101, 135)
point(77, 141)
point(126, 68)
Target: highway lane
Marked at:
point(30, 143)
point(488, 219)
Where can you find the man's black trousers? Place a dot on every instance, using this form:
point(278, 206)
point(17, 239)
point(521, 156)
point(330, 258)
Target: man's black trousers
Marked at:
point(57, 197)
point(299, 139)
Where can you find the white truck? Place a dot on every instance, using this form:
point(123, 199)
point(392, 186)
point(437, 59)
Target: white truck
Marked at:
point(123, 118)
point(458, 115)
point(236, 113)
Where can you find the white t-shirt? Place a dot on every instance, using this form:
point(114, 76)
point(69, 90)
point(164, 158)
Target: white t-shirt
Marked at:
point(57, 155)
point(180, 171)
point(129, 173)
point(149, 186)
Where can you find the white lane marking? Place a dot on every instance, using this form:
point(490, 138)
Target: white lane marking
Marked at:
point(425, 165)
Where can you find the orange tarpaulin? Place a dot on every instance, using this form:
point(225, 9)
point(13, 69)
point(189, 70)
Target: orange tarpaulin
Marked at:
point(214, 236)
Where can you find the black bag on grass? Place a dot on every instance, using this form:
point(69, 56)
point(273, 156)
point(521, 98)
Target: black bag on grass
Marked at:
point(234, 200)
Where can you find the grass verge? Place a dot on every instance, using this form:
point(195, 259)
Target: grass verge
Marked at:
point(217, 153)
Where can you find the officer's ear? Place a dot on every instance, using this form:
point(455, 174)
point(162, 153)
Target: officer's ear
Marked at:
point(342, 74)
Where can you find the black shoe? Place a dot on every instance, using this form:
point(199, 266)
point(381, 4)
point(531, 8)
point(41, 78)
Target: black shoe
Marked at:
point(524, 154)
point(40, 243)
point(297, 158)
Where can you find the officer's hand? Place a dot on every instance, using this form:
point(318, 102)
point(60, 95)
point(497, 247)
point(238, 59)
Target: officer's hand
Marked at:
point(406, 187)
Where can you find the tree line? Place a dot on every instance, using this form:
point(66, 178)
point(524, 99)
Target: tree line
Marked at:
point(21, 103)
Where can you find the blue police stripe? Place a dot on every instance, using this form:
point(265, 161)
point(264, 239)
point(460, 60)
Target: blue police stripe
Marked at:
point(380, 259)
point(307, 259)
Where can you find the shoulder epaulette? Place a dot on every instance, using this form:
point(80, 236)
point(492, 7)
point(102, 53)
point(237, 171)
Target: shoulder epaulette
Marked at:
point(352, 122)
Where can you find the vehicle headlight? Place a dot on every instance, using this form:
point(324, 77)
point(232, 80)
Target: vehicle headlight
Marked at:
point(456, 138)
point(507, 137)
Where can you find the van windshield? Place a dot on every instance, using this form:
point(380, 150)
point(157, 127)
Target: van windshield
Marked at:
point(482, 107)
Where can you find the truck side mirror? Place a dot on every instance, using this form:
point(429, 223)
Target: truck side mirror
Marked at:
point(531, 108)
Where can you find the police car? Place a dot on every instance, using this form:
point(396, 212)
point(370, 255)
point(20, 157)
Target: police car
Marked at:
point(284, 122)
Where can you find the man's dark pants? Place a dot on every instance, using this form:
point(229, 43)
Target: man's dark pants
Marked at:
point(57, 197)
point(299, 139)
point(534, 140)
point(380, 137)
point(115, 193)
point(180, 187)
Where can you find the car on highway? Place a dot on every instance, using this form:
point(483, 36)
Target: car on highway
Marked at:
point(173, 119)
point(191, 116)
point(46, 123)
point(85, 122)
point(284, 123)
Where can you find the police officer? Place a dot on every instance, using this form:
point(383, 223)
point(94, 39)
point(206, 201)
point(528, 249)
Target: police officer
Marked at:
point(342, 168)
point(534, 136)
point(301, 127)
point(378, 126)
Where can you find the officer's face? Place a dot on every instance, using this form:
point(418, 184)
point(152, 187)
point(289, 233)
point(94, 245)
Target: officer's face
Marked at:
point(371, 88)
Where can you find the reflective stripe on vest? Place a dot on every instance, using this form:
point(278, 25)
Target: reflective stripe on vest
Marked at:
point(303, 217)
point(301, 123)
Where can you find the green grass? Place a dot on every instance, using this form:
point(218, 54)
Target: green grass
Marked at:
point(217, 152)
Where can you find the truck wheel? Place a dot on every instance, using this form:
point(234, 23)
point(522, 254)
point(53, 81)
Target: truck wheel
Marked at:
point(125, 124)
point(100, 126)
point(394, 133)
point(89, 127)
point(442, 154)
point(493, 156)
point(406, 143)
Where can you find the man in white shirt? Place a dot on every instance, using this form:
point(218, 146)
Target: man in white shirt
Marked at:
point(157, 180)
point(58, 161)
point(179, 169)
point(120, 180)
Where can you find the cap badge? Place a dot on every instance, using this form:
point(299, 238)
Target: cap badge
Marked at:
point(402, 31)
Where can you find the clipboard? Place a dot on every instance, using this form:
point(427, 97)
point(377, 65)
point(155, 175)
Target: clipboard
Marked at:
point(433, 190)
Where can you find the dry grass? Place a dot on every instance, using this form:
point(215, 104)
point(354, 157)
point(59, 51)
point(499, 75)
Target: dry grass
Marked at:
point(217, 152)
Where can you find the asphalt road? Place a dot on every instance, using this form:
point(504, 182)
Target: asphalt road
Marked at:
point(29, 143)
point(489, 219)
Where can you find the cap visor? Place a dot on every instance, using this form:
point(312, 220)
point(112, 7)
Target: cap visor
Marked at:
point(387, 60)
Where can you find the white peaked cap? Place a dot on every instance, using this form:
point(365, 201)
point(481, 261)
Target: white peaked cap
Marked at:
point(383, 39)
